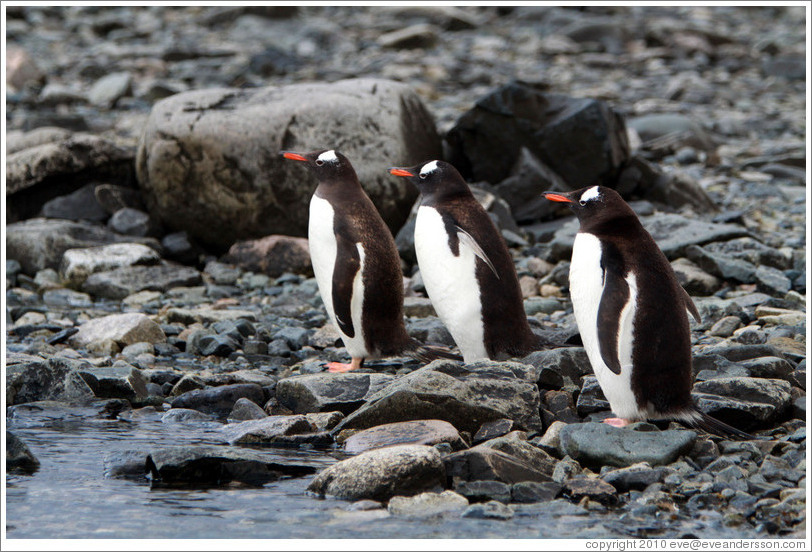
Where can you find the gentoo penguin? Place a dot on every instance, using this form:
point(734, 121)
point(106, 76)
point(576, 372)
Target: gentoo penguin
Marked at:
point(357, 266)
point(632, 314)
point(466, 267)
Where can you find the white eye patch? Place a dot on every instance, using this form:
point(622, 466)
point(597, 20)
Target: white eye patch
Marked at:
point(428, 168)
point(328, 156)
point(590, 194)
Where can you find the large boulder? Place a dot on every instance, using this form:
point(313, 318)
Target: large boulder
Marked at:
point(380, 474)
point(209, 163)
point(583, 140)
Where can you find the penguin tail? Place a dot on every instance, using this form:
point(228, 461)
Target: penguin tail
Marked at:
point(428, 353)
point(709, 424)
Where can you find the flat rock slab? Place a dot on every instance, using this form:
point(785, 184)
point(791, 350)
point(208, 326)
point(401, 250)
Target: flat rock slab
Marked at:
point(744, 402)
point(673, 233)
point(416, 432)
point(78, 264)
point(383, 473)
point(124, 329)
point(221, 146)
point(208, 465)
point(594, 489)
point(121, 282)
point(515, 444)
point(328, 392)
point(598, 444)
point(465, 396)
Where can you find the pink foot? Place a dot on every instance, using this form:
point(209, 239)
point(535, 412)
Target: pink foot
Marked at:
point(338, 367)
point(616, 422)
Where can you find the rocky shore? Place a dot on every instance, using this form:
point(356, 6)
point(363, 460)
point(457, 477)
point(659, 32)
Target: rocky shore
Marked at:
point(156, 268)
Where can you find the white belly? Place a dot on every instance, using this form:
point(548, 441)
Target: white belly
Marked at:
point(451, 283)
point(323, 249)
point(586, 288)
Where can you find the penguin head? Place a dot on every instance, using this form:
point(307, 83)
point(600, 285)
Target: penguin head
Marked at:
point(433, 178)
point(327, 165)
point(593, 204)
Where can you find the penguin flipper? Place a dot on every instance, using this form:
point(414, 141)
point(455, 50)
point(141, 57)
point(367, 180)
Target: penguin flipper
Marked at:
point(347, 264)
point(689, 305)
point(469, 240)
point(613, 299)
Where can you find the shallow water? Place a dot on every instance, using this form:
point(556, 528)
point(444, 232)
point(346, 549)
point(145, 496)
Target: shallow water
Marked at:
point(70, 497)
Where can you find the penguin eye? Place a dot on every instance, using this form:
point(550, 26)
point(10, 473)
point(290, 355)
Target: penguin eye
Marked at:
point(423, 176)
point(582, 202)
point(319, 162)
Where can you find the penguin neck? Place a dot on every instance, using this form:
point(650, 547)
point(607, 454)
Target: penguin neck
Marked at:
point(333, 188)
point(447, 194)
point(627, 224)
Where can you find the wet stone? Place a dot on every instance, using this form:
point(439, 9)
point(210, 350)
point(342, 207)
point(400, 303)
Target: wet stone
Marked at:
point(594, 489)
point(218, 400)
point(533, 491)
point(417, 432)
point(483, 490)
point(269, 430)
point(245, 409)
point(489, 510)
point(429, 504)
point(19, 458)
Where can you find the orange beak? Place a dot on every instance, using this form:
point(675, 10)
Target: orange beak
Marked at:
point(556, 197)
point(294, 156)
point(400, 172)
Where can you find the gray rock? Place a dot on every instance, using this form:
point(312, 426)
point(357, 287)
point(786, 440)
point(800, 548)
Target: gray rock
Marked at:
point(493, 429)
point(206, 465)
point(62, 297)
point(477, 491)
point(218, 400)
point(383, 473)
point(569, 362)
point(185, 415)
point(113, 198)
point(598, 444)
point(581, 139)
point(744, 402)
point(245, 409)
point(54, 379)
point(37, 174)
point(133, 222)
point(40, 243)
point(417, 432)
point(489, 510)
point(328, 392)
point(79, 205)
point(272, 255)
point(429, 504)
point(217, 345)
point(125, 464)
point(465, 396)
point(515, 444)
point(386, 118)
point(591, 398)
point(120, 381)
point(695, 280)
point(124, 329)
point(533, 491)
point(19, 458)
point(18, 141)
point(636, 477)
point(78, 264)
point(595, 489)
point(269, 430)
point(521, 189)
point(483, 463)
point(671, 129)
point(121, 282)
point(109, 89)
